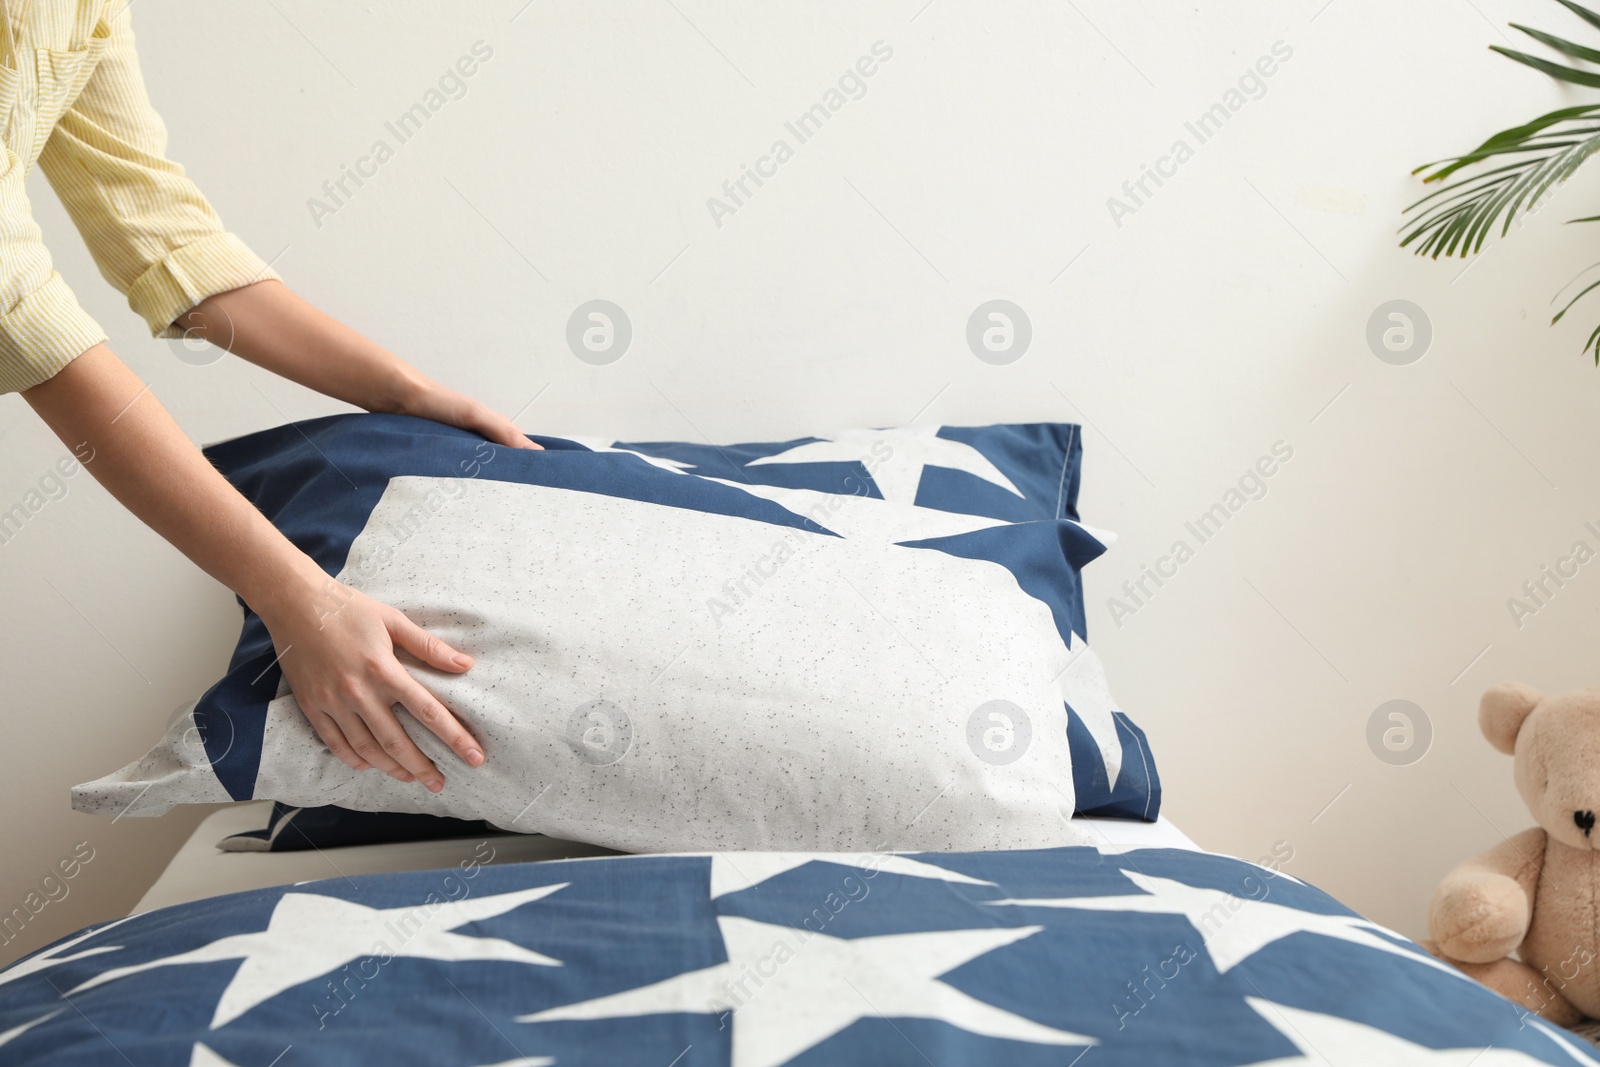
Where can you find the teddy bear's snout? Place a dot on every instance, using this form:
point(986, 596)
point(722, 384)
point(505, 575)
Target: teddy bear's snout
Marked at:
point(1585, 821)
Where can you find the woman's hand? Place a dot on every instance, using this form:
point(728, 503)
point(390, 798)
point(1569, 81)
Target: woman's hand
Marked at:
point(337, 651)
point(427, 399)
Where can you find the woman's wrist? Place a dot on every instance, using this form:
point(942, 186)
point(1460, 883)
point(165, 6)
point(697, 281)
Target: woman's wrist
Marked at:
point(288, 587)
point(405, 388)
point(366, 374)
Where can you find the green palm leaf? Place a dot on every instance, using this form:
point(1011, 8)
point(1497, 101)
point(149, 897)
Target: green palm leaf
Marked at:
point(1508, 174)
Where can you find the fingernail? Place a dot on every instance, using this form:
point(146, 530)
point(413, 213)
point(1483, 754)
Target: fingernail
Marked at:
point(463, 660)
point(435, 786)
point(474, 757)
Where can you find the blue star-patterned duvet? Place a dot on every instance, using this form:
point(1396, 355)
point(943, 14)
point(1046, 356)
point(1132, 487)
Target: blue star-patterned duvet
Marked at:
point(1061, 956)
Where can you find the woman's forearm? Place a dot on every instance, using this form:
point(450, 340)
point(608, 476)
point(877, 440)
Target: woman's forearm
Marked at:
point(267, 324)
point(147, 463)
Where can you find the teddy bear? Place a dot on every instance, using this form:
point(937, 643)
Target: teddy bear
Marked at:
point(1536, 893)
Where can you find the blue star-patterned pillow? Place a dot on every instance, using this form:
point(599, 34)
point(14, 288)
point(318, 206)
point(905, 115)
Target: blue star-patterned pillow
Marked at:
point(1016, 472)
point(442, 523)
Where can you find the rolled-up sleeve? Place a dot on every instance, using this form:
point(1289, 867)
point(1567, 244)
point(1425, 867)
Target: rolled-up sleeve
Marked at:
point(42, 328)
point(43, 331)
point(151, 232)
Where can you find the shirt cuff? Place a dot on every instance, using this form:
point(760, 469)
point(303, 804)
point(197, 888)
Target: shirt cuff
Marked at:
point(44, 332)
point(189, 274)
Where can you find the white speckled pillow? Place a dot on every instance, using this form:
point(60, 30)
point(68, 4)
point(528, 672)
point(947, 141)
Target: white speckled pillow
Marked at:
point(664, 661)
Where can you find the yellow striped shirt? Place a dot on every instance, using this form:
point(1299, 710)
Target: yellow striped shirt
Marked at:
point(73, 100)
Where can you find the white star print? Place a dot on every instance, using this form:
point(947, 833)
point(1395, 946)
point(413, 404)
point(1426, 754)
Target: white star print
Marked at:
point(54, 956)
point(17, 1031)
point(1108, 847)
point(310, 935)
point(1330, 1041)
point(790, 989)
point(1233, 928)
point(730, 874)
point(205, 1056)
point(895, 458)
point(598, 444)
point(1567, 1041)
point(1083, 684)
point(852, 515)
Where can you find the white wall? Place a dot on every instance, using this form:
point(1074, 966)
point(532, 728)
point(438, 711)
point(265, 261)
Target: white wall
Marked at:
point(1226, 314)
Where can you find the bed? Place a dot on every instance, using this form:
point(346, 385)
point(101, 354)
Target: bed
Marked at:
point(200, 870)
point(1132, 948)
point(885, 808)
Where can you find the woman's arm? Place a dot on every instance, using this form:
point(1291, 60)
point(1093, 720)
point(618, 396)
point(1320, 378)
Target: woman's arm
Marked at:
point(273, 328)
point(340, 662)
point(156, 238)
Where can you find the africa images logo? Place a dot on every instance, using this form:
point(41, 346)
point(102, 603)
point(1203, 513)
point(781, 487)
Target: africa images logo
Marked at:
point(1251, 85)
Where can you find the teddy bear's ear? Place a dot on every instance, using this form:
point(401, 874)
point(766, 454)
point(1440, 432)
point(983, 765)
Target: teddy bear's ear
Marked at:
point(1502, 712)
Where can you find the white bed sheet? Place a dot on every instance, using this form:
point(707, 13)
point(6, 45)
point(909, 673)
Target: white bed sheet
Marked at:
point(201, 870)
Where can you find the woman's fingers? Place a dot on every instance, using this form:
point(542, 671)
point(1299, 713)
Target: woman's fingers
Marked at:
point(497, 428)
point(423, 645)
point(508, 435)
point(397, 744)
point(503, 433)
point(426, 709)
point(423, 705)
point(337, 743)
point(430, 400)
point(369, 747)
point(347, 672)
